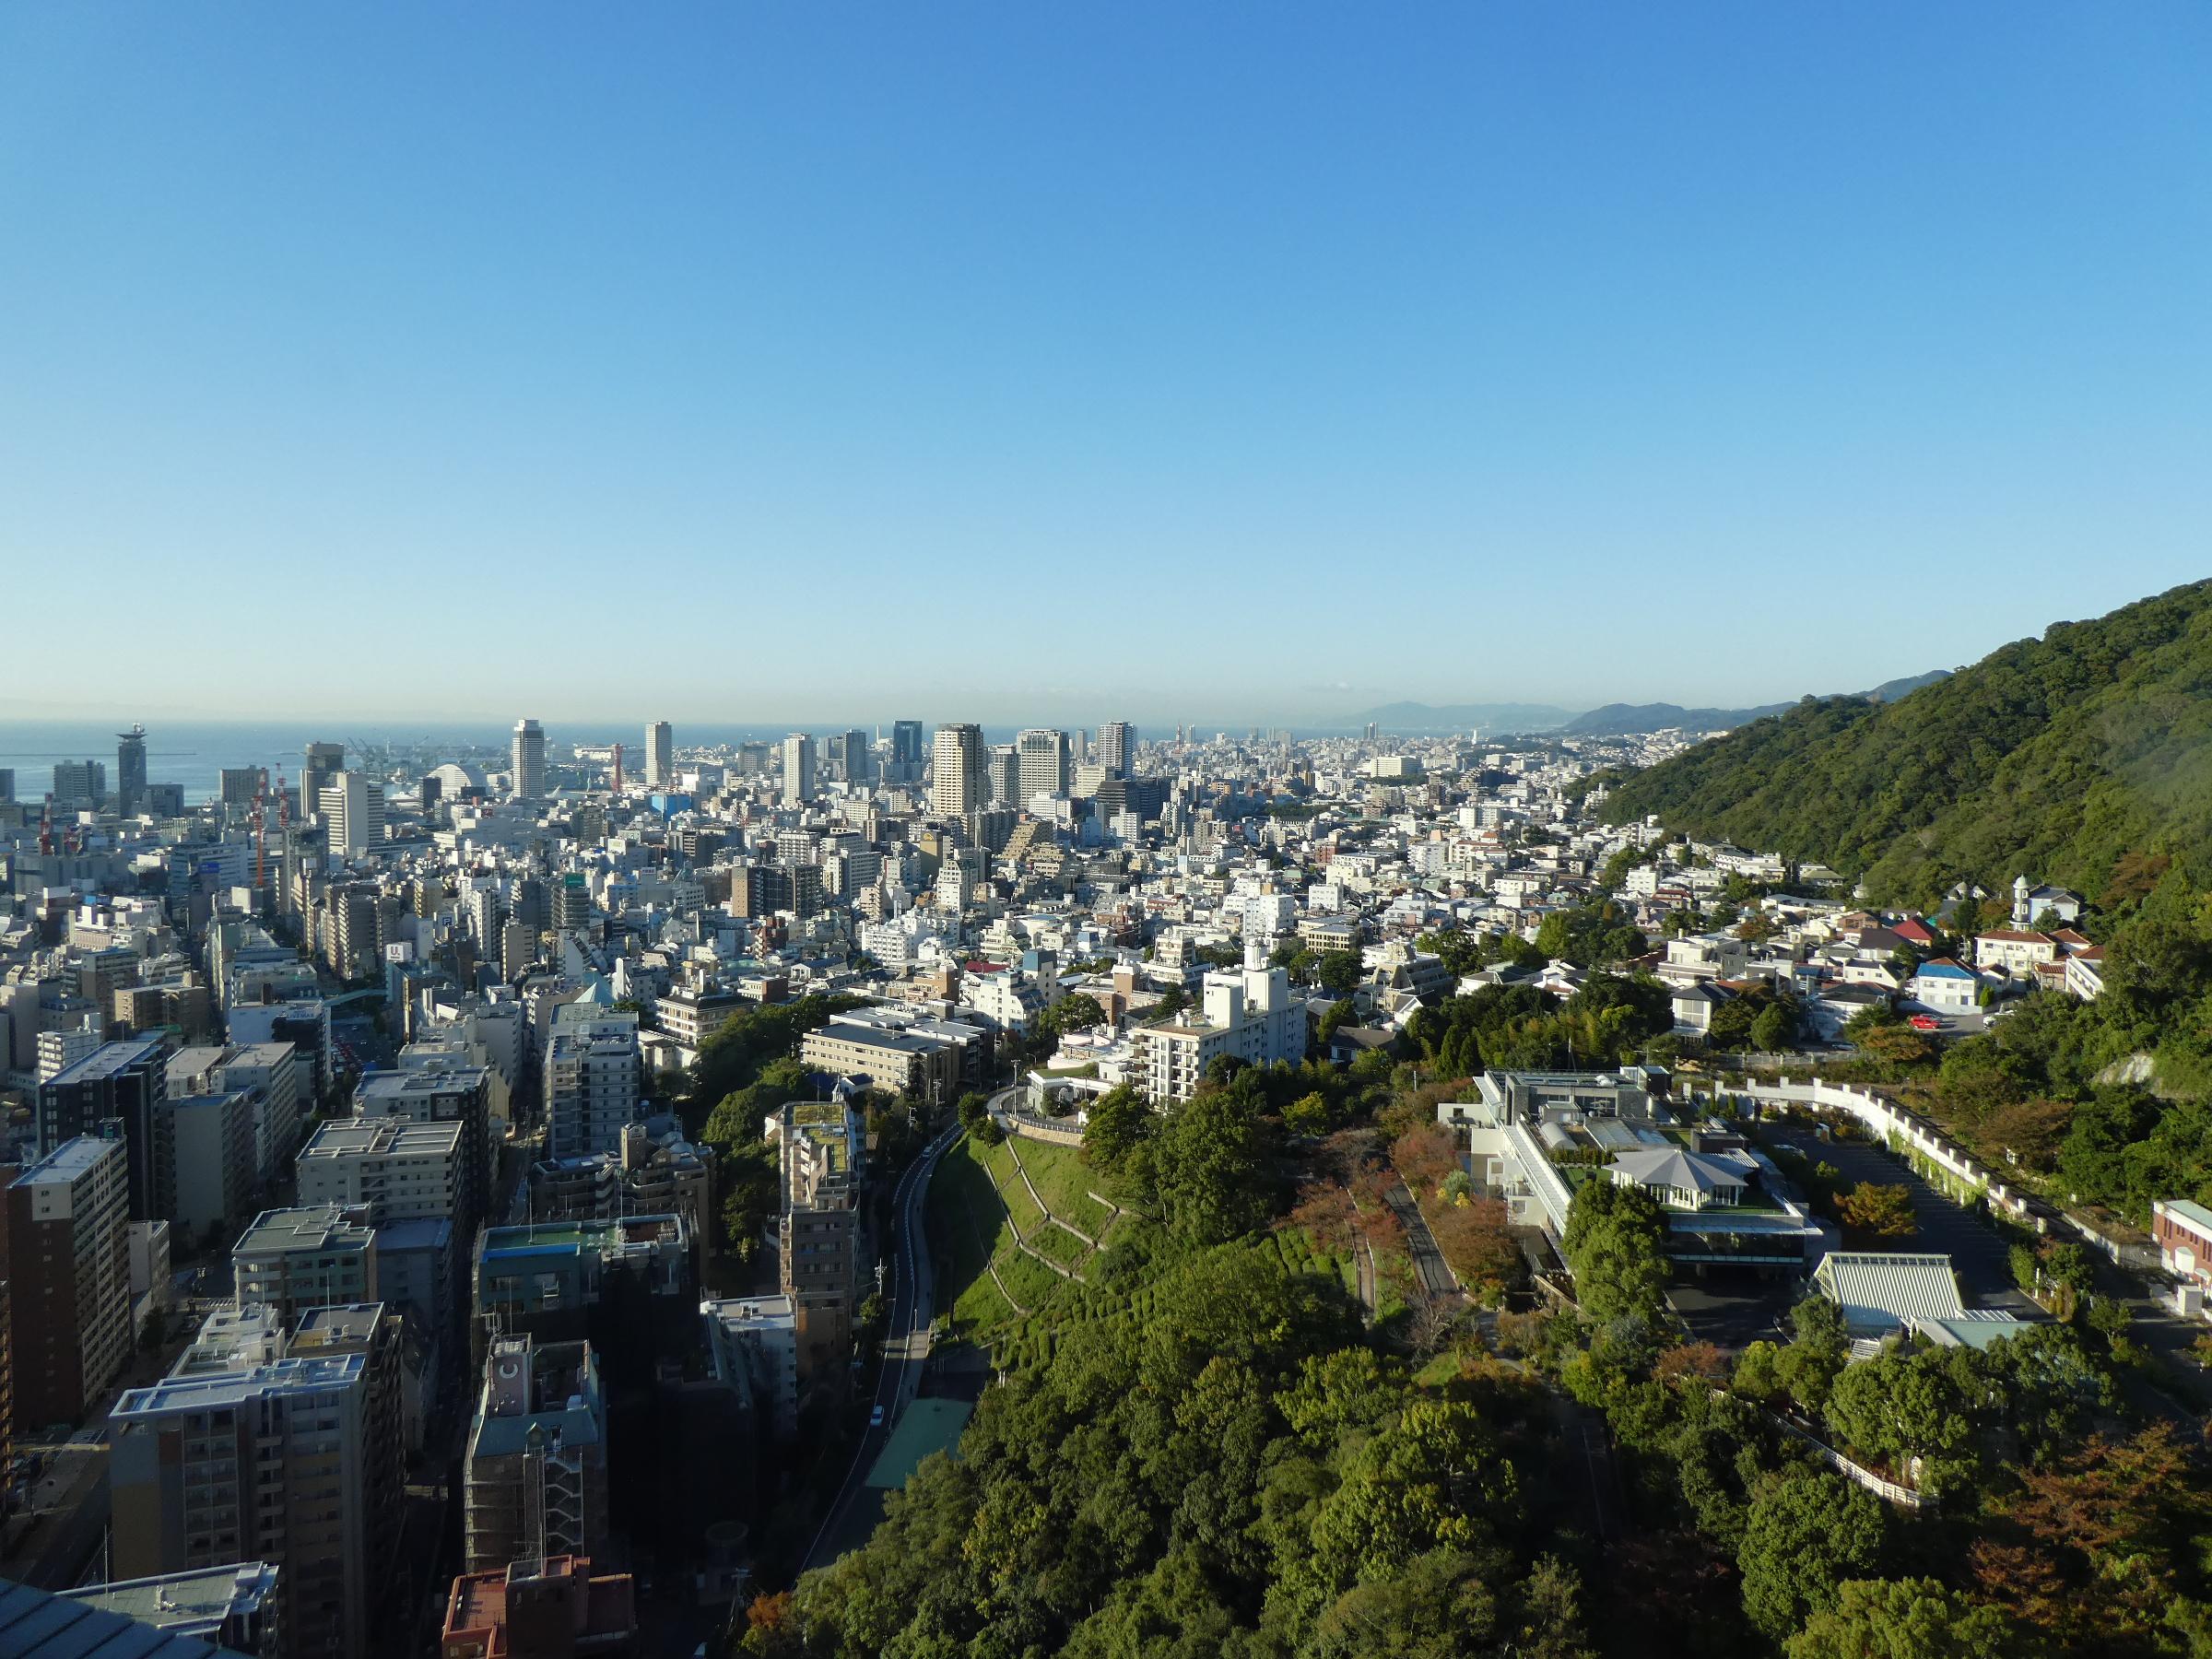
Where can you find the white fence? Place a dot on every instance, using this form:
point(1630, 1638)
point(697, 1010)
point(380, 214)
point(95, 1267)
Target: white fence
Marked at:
point(1939, 1157)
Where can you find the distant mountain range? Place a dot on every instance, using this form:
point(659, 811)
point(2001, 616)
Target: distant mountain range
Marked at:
point(1614, 720)
point(1424, 720)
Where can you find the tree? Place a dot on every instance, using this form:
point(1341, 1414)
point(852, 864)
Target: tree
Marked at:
point(1902, 1618)
point(1209, 1168)
point(1119, 1121)
point(751, 1182)
point(1613, 1243)
point(1806, 1532)
point(1774, 1028)
point(2090, 1548)
point(1337, 972)
point(1879, 1212)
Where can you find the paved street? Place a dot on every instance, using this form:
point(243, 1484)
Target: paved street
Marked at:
point(906, 1348)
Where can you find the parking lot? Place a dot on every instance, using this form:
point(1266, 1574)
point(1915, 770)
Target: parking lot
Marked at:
point(1978, 1251)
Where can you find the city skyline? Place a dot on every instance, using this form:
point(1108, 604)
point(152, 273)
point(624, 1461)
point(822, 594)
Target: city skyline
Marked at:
point(1288, 339)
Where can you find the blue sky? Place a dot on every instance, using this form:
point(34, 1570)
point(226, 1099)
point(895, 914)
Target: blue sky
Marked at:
point(757, 361)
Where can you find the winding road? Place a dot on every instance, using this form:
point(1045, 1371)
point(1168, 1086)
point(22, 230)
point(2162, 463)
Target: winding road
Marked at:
point(906, 1349)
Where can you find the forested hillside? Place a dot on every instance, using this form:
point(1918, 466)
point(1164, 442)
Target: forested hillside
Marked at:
point(2055, 756)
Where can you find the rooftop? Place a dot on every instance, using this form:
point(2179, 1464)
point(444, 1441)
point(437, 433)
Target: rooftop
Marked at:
point(193, 1603)
point(106, 1061)
point(214, 1389)
point(36, 1625)
point(69, 1161)
point(317, 1227)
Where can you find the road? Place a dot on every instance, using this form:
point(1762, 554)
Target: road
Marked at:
point(1429, 1264)
point(906, 1348)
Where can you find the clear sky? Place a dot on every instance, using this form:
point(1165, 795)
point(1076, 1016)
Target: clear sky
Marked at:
point(765, 360)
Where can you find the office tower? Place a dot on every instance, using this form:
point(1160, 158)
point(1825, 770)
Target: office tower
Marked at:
point(660, 755)
point(321, 1256)
point(592, 1091)
point(353, 815)
point(323, 761)
point(79, 785)
point(818, 1146)
point(859, 753)
point(906, 748)
point(957, 782)
point(64, 1253)
point(536, 1480)
point(1117, 747)
point(267, 1460)
point(529, 761)
point(1042, 759)
point(240, 785)
point(130, 770)
point(7, 783)
point(798, 767)
point(1002, 775)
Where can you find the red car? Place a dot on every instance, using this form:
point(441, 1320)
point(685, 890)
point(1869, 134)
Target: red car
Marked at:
point(1925, 1022)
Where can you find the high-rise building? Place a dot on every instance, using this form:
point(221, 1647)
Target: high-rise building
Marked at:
point(529, 760)
point(130, 770)
point(660, 755)
point(819, 1148)
point(272, 1459)
point(1002, 775)
point(117, 1085)
point(64, 1253)
point(7, 783)
point(535, 1482)
point(1042, 759)
point(591, 1086)
point(860, 754)
point(957, 782)
point(798, 767)
point(240, 785)
point(323, 761)
point(1117, 747)
point(353, 814)
point(79, 785)
point(321, 1256)
point(906, 748)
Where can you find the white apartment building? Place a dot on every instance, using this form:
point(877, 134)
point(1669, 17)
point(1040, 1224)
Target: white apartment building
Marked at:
point(1249, 1016)
point(397, 1169)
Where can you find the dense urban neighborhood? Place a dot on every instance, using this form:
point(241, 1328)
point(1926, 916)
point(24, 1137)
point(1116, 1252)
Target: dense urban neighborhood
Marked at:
point(922, 1190)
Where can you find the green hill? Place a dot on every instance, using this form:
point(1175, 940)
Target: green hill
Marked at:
point(2054, 758)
